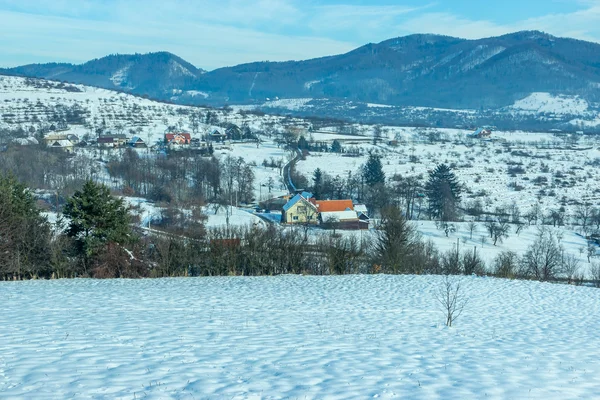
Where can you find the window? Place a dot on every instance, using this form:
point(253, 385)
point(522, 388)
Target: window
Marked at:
point(295, 218)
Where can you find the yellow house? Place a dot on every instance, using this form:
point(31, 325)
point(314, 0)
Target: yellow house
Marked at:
point(299, 210)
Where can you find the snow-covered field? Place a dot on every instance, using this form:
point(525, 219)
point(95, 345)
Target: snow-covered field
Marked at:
point(525, 168)
point(297, 337)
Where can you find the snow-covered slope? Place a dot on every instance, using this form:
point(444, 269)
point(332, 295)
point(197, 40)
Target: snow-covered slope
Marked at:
point(540, 103)
point(297, 337)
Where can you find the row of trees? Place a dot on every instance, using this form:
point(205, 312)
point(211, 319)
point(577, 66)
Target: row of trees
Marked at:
point(442, 190)
point(97, 239)
point(96, 231)
point(185, 177)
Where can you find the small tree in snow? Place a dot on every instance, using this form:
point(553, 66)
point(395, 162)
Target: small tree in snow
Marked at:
point(451, 299)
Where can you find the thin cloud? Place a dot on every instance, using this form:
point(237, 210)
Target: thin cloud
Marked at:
point(582, 24)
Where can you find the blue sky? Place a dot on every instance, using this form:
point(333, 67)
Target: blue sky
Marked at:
point(216, 33)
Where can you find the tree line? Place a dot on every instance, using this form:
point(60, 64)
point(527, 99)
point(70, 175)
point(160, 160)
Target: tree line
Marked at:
point(96, 236)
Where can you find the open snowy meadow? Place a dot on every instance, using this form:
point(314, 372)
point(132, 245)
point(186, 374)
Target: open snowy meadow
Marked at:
point(297, 337)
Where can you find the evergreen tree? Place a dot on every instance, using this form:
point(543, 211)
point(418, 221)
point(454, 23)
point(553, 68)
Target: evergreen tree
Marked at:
point(302, 143)
point(443, 192)
point(95, 219)
point(24, 233)
point(336, 146)
point(395, 243)
point(317, 183)
point(373, 171)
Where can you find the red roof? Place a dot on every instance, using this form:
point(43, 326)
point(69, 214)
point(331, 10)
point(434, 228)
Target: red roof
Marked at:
point(171, 136)
point(334, 205)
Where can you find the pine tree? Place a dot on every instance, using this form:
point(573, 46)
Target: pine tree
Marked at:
point(336, 146)
point(24, 233)
point(95, 219)
point(317, 183)
point(395, 242)
point(373, 171)
point(443, 191)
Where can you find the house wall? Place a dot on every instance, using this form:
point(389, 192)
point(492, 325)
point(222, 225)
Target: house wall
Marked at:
point(301, 213)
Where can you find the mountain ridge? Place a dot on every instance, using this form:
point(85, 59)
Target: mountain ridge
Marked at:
point(422, 70)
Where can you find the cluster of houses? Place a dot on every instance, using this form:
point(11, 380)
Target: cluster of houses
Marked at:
point(303, 209)
point(171, 140)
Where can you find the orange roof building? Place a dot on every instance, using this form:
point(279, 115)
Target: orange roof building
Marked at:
point(334, 205)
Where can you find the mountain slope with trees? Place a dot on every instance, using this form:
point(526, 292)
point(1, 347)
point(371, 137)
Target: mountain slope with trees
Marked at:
point(416, 70)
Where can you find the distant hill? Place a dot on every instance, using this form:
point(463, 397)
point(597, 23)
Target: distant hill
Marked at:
point(424, 70)
point(153, 74)
point(417, 70)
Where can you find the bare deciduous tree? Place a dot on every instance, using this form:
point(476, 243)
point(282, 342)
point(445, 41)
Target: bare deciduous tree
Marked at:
point(570, 267)
point(451, 300)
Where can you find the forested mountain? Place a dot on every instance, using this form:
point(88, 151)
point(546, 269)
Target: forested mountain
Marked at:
point(424, 70)
point(416, 70)
point(153, 74)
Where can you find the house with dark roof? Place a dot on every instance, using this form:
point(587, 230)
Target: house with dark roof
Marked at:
point(137, 142)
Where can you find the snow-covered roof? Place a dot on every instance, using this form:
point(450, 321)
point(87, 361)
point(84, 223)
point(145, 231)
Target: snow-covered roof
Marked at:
point(25, 141)
point(61, 143)
point(339, 216)
point(361, 208)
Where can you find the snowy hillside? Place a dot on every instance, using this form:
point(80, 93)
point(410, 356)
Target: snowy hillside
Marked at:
point(297, 337)
point(546, 103)
point(28, 103)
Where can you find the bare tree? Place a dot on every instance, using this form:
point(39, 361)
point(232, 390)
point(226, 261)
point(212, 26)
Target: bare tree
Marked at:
point(583, 216)
point(570, 267)
point(595, 274)
point(472, 226)
point(506, 264)
point(451, 299)
point(543, 258)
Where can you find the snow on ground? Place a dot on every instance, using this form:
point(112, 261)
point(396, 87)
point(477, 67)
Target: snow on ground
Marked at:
point(297, 337)
point(290, 104)
point(541, 102)
point(262, 175)
point(237, 217)
point(482, 243)
point(525, 167)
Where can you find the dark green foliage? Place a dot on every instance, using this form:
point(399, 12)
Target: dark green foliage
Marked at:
point(24, 233)
point(95, 219)
point(317, 187)
point(443, 192)
point(336, 146)
point(396, 243)
point(373, 171)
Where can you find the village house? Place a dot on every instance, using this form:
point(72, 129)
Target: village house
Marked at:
point(299, 210)
point(137, 142)
point(112, 140)
point(340, 214)
point(62, 144)
point(65, 142)
point(217, 136)
point(481, 133)
point(178, 139)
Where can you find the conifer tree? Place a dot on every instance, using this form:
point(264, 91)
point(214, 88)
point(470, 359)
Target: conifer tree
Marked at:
point(443, 192)
point(95, 219)
point(373, 171)
point(24, 233)
point(317, 183)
